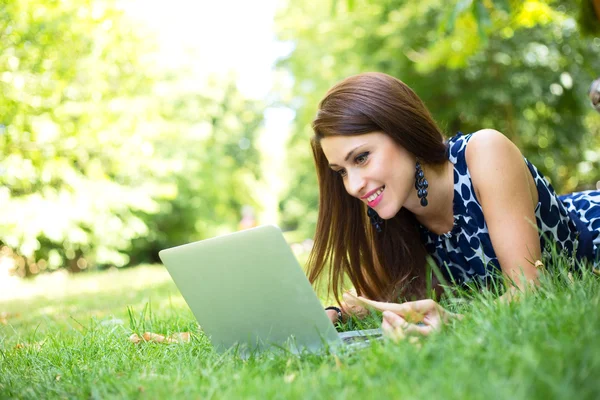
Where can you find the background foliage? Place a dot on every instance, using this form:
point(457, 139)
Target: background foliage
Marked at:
point(522, 68)
point(104, 156)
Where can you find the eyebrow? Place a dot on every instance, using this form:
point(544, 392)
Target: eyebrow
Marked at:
point(350, 153)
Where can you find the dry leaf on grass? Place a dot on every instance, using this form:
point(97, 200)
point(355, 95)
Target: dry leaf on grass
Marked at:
point(178, 337)
point(134, 338)
point(35, 346)
point(153, 337)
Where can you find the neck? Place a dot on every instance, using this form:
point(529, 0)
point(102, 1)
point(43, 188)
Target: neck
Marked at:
point(437, 216)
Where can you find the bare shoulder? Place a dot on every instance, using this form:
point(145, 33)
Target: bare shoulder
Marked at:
point(490, 146)
point(492, 158)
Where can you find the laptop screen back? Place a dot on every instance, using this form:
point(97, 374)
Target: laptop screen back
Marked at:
point(247, 289)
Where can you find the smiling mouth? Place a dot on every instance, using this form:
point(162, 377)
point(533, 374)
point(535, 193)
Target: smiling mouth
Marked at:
point(374, 199)
point(374, 195)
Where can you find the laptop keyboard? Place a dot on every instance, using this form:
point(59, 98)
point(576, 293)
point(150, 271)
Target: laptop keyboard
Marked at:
point(364, 335)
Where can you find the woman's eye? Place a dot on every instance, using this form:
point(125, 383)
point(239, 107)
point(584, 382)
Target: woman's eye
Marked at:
point(341, 172)
point(361, 158)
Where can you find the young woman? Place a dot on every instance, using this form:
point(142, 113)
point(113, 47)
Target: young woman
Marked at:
point(393, 190)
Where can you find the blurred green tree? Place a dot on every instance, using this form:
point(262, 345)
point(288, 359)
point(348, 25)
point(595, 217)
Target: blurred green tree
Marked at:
point(100, 148)
point(523, 69)
point(210, 141)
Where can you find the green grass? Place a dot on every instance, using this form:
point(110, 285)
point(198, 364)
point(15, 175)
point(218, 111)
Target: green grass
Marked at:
point(75, 334)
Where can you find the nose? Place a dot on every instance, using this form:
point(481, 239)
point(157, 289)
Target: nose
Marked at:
point(355, 183)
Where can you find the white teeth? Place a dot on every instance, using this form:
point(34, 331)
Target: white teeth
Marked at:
point(374, 195)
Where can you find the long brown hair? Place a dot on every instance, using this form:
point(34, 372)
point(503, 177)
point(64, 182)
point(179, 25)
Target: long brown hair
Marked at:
point(386, 265)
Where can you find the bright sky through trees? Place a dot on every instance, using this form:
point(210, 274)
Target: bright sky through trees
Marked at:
point(222, 37)
point(215, 36)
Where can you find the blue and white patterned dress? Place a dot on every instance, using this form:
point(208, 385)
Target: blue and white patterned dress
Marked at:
point(466, 254)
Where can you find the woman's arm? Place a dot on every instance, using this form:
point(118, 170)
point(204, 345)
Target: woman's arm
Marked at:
point(508, 196)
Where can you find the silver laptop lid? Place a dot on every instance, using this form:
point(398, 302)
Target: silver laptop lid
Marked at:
point(247, 289)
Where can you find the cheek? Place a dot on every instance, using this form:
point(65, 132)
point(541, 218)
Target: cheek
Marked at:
point(401, 171)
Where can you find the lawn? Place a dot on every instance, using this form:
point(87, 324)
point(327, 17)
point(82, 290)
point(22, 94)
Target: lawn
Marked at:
point(67, 336)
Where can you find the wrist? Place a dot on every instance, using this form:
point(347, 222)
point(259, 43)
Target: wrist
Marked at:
point(337, 310)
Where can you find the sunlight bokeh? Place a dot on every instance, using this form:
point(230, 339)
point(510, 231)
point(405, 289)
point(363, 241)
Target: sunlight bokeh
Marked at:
point(214, 36)
point(228, 37)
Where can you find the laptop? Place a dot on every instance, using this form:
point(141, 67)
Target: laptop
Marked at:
point(249, 293)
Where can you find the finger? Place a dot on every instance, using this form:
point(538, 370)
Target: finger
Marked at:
point(443, 317)
point(423, 306)
point(351, 301)
point(390, 332)
point(414, 329)
point(380, 305)
point(386, 327)
point(407, 328)
point(407, 310)
point(350, 306)
point(421, 309)
point(350, 298)
point(358, 311)
point(394, 320)
point(333, 316)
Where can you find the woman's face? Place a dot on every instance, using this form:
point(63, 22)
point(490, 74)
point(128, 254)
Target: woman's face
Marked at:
point(374, 169)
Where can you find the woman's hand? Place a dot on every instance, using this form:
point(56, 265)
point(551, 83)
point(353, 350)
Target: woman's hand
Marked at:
point(350, 306)
point(333, 316)
point(421, 317)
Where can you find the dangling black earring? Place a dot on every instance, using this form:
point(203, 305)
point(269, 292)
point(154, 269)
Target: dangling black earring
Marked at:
point(376, 220)
point(421, 184)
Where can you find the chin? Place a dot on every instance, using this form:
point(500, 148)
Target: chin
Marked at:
point(387, 214)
